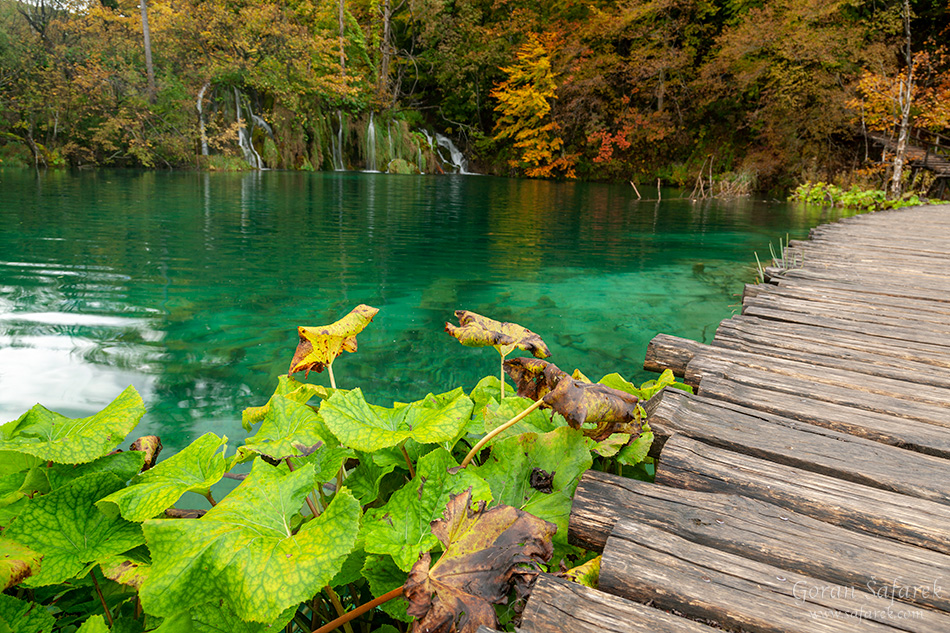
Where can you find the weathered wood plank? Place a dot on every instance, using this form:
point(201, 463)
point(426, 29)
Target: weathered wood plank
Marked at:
point(901, 333)
point(642, 562)
point(876, 285)
point(692, 465)
point(856, 296)
point(557, 605)
point(802, 445)
point(860, 314)
point(827, 354)
point(872, 287)
point(879, 427)
point(900, 405)
point(796, 334)
point(762, 532)
point(671, 352)
point(714, 359)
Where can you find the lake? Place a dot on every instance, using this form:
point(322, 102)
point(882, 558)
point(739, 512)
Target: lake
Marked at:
point(190, 286)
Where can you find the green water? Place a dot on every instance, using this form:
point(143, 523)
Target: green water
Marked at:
point(190, 286)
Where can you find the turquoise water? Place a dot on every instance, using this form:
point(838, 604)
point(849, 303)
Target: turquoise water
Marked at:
point(190, 286)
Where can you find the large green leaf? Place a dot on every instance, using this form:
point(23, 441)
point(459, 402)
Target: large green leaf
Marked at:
point(475, 330)
point(519, 468)
point(244, 552)
point(287, 387)
point(538, 421)
point(401, 527)
point(364, 479)
point(19, 616)
point(14, 462)
point(214, 617)
point(17, 563)
point(94, 624)
point(383, 576)
point(71, 534)
point(123, 465)
point(368, 427)
point(51, 436)
point(288, 428)
point(194, 469)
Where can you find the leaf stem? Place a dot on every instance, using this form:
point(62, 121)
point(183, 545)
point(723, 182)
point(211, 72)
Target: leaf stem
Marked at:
point(360, 610)
point(210, 499)
point(502, 376)
point(332, 379)
point(101, 599)
point(340, 611)
point(405, 454)
point(481, 443)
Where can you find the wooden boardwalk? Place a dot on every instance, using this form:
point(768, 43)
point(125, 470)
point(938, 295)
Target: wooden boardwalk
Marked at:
point(806, 486)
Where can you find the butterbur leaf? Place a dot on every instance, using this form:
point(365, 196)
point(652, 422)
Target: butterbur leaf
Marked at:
point(487, 553)
point(369, 428)
point(94, 624)
point(287, 387)
point(637, 450)
point(195, 469)
point(587, 574)
point(69, 531)
point(125, 571)
point(150, 446)
point(17, 563)
point(475, 330)
point(538, 421)
point(53, 437)
point(287, 428)
point(516, 468)
point(215, 617)
point(320, 345)
point(244, 552)
point(122, 465)
point(610, 410)
point(20, 616)
point(326, 462)
point(401, 527)
point(534, 378)
point(383, 575)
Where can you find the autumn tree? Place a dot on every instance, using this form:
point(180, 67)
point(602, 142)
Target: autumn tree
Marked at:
point(524, 107)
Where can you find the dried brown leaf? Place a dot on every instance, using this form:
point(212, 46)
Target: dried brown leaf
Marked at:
point(475, 330)
point(610, 410)
point(533, 377)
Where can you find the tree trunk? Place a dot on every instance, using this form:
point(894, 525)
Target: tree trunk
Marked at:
point(149, 70)
point(905, 94)
point(385, 51)
point(342, 40)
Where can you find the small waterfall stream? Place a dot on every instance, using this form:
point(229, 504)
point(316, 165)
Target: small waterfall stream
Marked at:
point(244, 134)
point(371, 145)
point(337, 145)
point(456, 160)
point(201, 120)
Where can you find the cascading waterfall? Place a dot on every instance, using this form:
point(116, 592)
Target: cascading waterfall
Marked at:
point(456, 160)
point(337, 145)
point(244, 135)
point(371, 145)
point(389, 131)
point(201, 120)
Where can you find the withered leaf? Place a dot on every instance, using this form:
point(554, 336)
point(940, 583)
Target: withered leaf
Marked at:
point(151, 445)
point(542, 480)
point(487, 553)
point(611, 410)
point(475, 330)
point(320, 345)
point(533, 377)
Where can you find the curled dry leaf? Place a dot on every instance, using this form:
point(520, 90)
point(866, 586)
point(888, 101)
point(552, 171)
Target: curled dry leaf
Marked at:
point(533, 377)
point(320, 345)
point(475, 330)
point(611, 410)
point(151, 445)
point(487, 553)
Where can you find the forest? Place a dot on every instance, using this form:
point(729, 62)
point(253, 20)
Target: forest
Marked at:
point(762, 93)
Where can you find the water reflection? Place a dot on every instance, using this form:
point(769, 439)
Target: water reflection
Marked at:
point(190, 286)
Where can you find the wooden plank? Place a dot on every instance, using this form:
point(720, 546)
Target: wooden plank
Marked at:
point(780, 332)
point(802, 445)
point(557, 605)
point(642, 562)
point(692, 465)
point(859, 314)
point(854, 295)
point(712, 359)
point(670, 352)
point(902, 405)
point(916, 335)
point(873, 288)
point(878, 427)
point(826, 353)
point(903, 287)
point(762, 532)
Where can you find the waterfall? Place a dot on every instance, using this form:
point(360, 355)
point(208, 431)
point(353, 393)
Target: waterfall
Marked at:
point(421, 166)
point(337, 145)
point(244, 135)
point(389, 130)
point(456, 160)
point(201, 121)
point(371, 145)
